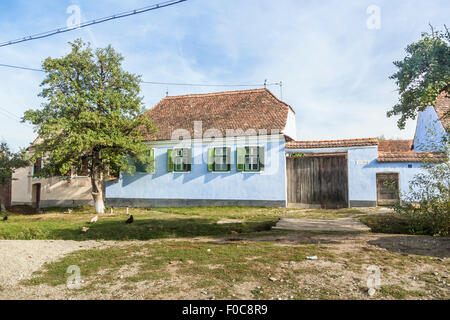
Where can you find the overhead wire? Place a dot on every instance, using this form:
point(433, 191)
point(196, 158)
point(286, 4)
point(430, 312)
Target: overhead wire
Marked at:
point(165, 83)
point(91, 22)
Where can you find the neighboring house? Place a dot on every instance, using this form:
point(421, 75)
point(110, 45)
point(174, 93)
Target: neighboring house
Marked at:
point(374, 172)
point(65, 191)
point(353, 172)
point(239, 148)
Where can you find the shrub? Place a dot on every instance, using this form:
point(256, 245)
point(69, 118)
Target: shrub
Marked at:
point(426, 206)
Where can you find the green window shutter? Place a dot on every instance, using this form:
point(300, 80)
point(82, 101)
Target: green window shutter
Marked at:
point(262, 159)
point(210, 159)
point(169, 160)
point(152, 158)
point(240, 159)
point(188, 159)
point(228, 159)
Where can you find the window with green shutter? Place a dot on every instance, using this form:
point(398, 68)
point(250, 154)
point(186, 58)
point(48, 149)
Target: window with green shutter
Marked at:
point(250, 159)
point(219, 159)
point(147, 166)
point(179, 159)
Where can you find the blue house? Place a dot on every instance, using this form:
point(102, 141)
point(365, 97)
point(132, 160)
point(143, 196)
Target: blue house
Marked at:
point(433, 125)
point(240, 148)
point(215, 149)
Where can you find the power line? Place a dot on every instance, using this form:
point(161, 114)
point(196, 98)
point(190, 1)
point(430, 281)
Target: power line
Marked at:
point(23, 68)
point(209, 85)
point(166, 83)
point(92, 22)
point(12, 114)
point(4, 112)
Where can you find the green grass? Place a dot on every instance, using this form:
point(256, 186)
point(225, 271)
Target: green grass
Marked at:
point(398, 292)
point(156, 223)
point(386, 223)
point(206, 262)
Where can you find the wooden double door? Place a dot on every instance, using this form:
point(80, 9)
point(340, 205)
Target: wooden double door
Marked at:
point(318, 180)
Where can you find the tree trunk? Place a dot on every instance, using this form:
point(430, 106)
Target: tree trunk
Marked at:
point(98, 202)
point(96, 182)
point(2, 202)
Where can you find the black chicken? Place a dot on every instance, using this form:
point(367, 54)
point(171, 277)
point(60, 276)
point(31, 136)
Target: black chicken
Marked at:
point(130, 219)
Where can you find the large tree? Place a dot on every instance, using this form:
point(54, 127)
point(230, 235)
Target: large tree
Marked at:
point(9, 162)
point(92, 118)
point(422, 74)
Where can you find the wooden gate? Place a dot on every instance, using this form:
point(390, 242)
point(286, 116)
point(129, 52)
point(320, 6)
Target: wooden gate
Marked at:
point(387, 188)
point(318, 180)
point(36, 194)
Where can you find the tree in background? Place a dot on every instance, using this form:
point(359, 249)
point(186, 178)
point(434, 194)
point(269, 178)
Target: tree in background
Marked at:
point(92, 118)
point(9, 162)
point(422, 74)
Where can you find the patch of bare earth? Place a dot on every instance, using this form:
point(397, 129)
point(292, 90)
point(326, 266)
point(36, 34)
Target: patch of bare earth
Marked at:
point(20, 258)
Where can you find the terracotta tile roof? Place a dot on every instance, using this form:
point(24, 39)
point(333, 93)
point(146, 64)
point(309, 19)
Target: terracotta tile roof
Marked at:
point(395, 145)
point(331, 143)
point(403, 151)
point(388, 150)
point(442, 107)
point(246, 109)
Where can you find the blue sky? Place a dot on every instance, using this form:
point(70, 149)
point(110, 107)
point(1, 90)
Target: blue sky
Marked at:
point(335, 70)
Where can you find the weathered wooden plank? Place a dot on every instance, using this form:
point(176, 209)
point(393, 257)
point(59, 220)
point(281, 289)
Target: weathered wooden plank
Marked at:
point(320, 180)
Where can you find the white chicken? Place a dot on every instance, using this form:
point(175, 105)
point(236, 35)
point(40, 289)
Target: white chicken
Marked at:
point(94, 219)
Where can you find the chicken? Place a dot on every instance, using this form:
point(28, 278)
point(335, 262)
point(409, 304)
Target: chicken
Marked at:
point(130, 219)
point(94, 219)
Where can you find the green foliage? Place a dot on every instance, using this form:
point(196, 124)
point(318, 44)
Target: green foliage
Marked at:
point(297, 155)
point(426, 206)
point(422, 75)
point(92, 116)
point(9, 162)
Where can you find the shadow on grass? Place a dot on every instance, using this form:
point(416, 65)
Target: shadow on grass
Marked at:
point(420, 245)
point(146, 229)
point(386, 223)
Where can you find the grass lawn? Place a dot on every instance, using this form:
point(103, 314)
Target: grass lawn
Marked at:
point(189, 255)
point(155, 223)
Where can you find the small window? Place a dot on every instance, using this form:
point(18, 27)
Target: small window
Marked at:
point(219, 159)
point(37, 166)
point(250, 159)
point(148, 166)
point(83, 169)
point(409, 165)
point(179, 160)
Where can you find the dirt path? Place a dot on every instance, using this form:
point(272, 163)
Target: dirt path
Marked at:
point(304, 224)
point(20, 258)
